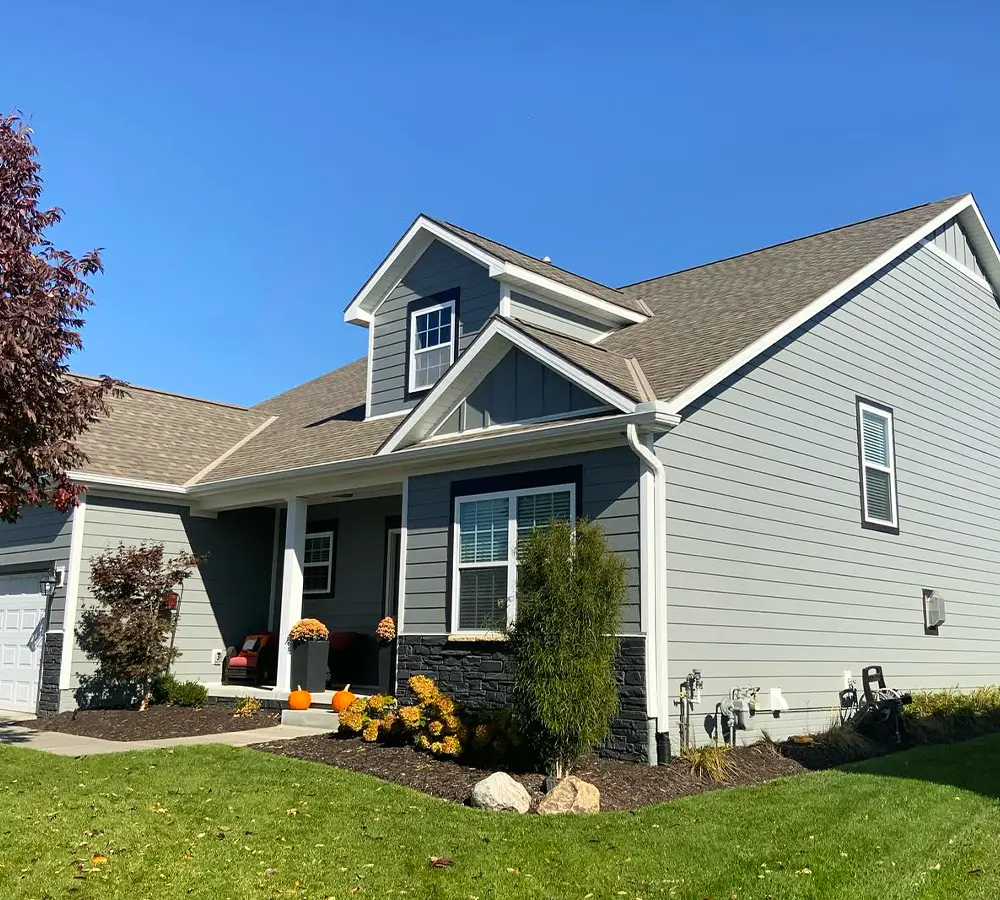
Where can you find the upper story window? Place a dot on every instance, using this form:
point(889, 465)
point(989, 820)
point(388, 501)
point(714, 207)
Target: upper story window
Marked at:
point(877, 461)
point(487, 528)
point(431, 341)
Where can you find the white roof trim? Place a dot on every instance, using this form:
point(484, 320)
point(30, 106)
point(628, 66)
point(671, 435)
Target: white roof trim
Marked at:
point(720, 373)
point(418, 238)
point(472, 366)
point(129, 484)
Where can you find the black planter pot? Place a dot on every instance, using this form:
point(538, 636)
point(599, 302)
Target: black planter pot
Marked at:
point(309, 662)
point(386, 667)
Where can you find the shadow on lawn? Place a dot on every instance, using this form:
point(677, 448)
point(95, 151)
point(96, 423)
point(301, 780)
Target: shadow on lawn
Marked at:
point(972, 765)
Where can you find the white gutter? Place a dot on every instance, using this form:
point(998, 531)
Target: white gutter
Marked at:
point(648, 414)
point(656, 628)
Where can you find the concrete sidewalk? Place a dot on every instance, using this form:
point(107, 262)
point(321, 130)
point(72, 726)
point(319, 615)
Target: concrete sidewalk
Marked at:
point(18, 730)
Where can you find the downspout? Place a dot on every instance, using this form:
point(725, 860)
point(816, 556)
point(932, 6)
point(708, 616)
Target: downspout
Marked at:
point(656, 625)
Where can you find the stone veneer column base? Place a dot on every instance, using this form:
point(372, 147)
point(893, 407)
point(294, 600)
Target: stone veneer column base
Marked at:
point(48, 687)
point(480, 675)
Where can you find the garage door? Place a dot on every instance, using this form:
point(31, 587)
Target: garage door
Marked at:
point(22, 627)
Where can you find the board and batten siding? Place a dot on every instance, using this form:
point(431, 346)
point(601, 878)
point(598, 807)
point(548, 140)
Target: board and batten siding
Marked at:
point(38, 541)
point(610, 496)
point(519, 389)
point(439, 268)
point(224, 600)
point(772, 581)
point(952, 239)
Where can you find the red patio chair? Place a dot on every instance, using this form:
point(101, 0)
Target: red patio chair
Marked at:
point(251, 663)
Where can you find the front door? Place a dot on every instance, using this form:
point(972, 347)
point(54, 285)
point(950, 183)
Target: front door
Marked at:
point(390, 602)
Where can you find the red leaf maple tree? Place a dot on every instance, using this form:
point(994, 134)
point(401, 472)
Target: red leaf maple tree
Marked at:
point(43, 297)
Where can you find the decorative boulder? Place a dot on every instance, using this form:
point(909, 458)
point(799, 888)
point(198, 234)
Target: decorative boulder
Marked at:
point(500, 792)
point(571, 795)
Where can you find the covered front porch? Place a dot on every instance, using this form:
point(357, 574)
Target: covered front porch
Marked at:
point(335, 558)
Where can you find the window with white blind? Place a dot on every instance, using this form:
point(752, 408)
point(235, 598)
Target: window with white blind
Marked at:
point(432, 345)
point(317, 563)
point(486, 531)
point(877, 460)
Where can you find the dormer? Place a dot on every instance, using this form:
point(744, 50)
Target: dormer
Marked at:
point(438, 287)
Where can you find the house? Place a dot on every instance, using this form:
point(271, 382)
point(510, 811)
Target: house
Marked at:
point(792, 448)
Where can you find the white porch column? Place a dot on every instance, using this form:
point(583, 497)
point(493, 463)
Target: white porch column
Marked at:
point(291, 588)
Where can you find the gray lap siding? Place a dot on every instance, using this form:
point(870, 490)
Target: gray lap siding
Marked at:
point(438, 269)
point(609, 495)
point(771, 578)
point(479, 673)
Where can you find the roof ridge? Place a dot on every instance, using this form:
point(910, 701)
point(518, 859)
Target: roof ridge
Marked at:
point(484, 237)
point(803, 237)
point(295, 387)
point(128, 386)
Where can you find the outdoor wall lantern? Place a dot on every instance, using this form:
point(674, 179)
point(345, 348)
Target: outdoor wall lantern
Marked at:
point(48, 583)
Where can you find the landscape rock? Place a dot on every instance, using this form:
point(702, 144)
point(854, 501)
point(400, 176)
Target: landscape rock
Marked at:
point(500, 792)
point(571, 795)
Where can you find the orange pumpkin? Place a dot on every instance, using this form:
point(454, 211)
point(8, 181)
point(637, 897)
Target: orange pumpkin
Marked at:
point(342, 699)
point(300, 699)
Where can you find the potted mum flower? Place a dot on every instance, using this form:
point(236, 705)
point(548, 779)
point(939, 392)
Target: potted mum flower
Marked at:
point(310, 653)
point(385, 633)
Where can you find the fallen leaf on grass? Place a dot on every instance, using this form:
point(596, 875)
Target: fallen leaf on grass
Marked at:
point(98, 859)
point(936, 867)
point(291, 812)
point(975, 872)
point(440, 862)
point(805, 871)
point(94, 832)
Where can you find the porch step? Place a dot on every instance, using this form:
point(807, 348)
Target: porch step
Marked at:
point(316, 717)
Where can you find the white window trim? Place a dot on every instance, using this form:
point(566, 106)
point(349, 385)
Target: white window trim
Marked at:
point(412, 362)
point(329, 562)
point(890, 470)
point(511, 563)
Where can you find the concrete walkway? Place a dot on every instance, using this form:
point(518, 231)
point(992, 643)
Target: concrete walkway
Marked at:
point(19, 730)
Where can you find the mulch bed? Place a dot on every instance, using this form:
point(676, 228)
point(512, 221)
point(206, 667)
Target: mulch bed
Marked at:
point(623, 785)
point(154, 723)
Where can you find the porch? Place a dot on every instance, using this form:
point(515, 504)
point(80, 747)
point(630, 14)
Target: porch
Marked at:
point(334, 558)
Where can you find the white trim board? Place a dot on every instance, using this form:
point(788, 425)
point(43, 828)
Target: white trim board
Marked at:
point(488, 348)
point(779, 332)
point(929, 245)
point(418, 237)
point(72, 601)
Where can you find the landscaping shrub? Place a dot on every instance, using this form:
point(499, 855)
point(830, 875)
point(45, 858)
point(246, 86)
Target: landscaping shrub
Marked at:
point(570, 591)
point(165, 688)
point(846, 743)
point(935, 717)
point(434, 723)
point(711, 761)
point(127, 630)
point(246, 707)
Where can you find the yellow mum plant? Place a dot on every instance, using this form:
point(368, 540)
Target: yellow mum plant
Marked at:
point(308, 630)
point(435, 728)
point(370, 732)
point(353, 718)
point(423, 687)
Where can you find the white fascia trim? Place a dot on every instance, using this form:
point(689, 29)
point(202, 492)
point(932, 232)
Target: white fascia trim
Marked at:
point(499, 329)
point(418, 238)
point(403, 526)
point(72, 600)
point(368, 377)
point(423, 231)
point(127, 484)
point(929, 245)
point(519, 276)
point(720, 373)
point(649, 415)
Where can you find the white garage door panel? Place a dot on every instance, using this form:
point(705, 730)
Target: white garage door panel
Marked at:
point(22, 610)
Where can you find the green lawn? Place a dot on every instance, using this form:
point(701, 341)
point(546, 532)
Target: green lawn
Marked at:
point(218, 822)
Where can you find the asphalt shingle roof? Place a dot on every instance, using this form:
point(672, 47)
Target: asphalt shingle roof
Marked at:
point(699, 319)
point(157, 436)
point(319, 421)
point(548, 270)
point(704, 316)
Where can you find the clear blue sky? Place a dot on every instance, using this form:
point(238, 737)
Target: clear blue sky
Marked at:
point(246, 165)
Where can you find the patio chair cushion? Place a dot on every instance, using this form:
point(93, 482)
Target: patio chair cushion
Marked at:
point(244, 661)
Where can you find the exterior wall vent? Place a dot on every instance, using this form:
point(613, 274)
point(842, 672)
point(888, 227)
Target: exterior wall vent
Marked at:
point(934, 612)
